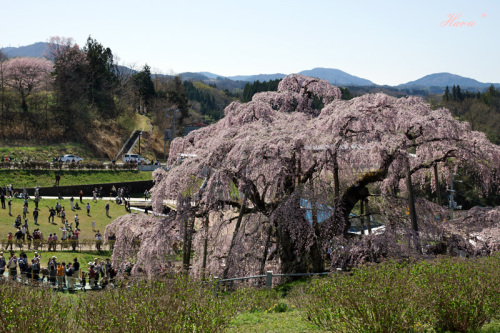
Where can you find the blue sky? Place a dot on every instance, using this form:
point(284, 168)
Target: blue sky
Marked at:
point(388, 42)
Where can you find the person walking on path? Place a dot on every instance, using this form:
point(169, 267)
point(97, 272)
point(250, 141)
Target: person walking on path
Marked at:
point(10, 237)
point(58, 178)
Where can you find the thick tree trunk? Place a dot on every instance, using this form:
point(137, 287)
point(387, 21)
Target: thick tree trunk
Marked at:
point(205, 250)
point(233, 240)
point(267, 244)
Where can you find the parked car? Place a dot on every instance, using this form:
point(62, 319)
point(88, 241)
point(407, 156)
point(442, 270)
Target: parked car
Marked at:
point(133, 158)
point(69, 158)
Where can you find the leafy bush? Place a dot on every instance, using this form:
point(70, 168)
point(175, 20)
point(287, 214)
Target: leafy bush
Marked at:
point(460, 295)
point(178, 305)
point(443, 295)
point(32, 309)
point(370, 299)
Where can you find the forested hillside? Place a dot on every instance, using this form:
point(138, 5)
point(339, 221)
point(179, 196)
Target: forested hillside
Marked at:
point(480, 110)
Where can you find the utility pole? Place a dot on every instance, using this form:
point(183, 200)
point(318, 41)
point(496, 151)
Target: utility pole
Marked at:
point(140, 134)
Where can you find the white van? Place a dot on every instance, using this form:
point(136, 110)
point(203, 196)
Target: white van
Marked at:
point(133, 158)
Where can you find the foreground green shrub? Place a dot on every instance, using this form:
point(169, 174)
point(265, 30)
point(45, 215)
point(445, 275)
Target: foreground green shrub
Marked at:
point(175, 305)
point(371, 299)
point(33, 309)
point(441, 295)
point(178, 305)
point(460, 295)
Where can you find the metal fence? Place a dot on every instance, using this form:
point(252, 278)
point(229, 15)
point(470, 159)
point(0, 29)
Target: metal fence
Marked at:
point(268, 276)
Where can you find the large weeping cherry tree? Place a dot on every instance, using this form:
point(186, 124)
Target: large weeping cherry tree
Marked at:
point(274, 183)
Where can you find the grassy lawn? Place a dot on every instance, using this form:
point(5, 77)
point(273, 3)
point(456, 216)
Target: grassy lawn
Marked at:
point(97, 214)
point(45, 152)
point(292, 321)
point(261, 321)
point(45, 178)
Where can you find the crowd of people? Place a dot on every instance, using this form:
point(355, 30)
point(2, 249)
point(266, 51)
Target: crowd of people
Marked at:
point(60, 275)
point(69, 231)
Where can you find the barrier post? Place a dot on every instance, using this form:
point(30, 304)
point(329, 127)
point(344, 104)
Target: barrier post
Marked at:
point(269, 279)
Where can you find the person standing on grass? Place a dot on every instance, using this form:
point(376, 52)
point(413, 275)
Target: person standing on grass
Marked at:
point(107, 209)
point(10, 206)
point(52, 213)
point(91, 275)
point(25, 211)
point(10, 237)
point(98, 240)
point(2, 199)
point(71, 201)
point(60, 276)
point(12, 265)
point(77, 222)
point(35, 216)
point(37, 200)
point(63, 215)
point(81, 196)
point(69, 276)
point(88, 209)
point(3, 263)
point(76, 270)
point(58, 178)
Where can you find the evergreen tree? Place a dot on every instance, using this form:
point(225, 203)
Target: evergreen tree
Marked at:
point(144, 87)
point(459, 94)
point(446, 96)
point(102, 78)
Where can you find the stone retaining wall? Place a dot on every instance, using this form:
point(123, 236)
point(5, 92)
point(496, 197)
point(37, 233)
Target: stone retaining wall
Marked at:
point(73, 190)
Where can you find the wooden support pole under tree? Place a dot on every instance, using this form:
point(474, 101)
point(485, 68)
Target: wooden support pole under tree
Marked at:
point(361, 216)
point(436, 180)
point(367, 212)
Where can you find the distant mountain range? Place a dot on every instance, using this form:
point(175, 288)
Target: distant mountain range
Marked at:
point(446, 79)
point(33, 50)
point(433, 82)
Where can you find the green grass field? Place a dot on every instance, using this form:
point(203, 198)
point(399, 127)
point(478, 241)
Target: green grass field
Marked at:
point(45, 178)
point(45, 152)
point(97, 214)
